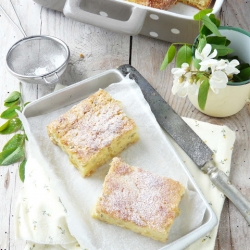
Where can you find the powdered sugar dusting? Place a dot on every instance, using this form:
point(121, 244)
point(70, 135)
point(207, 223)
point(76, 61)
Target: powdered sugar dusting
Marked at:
point(92, 124)
point(141, 197)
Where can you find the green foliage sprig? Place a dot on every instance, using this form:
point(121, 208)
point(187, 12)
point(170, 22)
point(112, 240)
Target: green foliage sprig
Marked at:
point(208, 34)
point(14, 150)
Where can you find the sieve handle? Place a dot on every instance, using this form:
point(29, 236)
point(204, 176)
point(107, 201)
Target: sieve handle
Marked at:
point(20, 28)
point(53, 81)
point(132, 25)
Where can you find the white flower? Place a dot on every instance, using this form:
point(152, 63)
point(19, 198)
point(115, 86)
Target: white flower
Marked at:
point(205, 53)
point(181, 81)
point(231, 67)
point(228, 67)
point(177, 72)
point(180, 88)
point(209, 63)
point(218, 80)
point(221, 65)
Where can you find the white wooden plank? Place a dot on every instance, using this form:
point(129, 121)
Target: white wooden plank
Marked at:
point(147, 57)
point(102, 50)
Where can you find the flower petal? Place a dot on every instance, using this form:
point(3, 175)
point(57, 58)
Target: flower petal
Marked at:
point(209, 63)
point(214, 54)
point(198, 54)
point(218, 80)
point(231, 67)
point(177, 72)
point(221, 65)
point(176, 86)
point(184, 90)
point(193, 89)
point(206, 50)
point(216, 91)
point(205, 53)
point(185, 66)
point(234, 63)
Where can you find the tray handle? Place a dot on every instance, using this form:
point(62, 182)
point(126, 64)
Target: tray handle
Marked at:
point(132, 26)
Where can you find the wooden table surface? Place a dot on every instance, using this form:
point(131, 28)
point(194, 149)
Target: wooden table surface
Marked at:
point(103, 50)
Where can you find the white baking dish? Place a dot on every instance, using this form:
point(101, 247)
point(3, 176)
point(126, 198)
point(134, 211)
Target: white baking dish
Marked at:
point(75, 93)
point(174, 25)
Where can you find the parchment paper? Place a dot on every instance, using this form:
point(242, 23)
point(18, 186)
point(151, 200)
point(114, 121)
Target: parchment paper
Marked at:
point(152, 152)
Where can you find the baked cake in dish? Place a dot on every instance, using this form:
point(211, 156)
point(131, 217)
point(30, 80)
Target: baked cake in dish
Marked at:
point(158, 4)
point(199, 4)
point(167, 4)
point(139, 200)
point(93, 132)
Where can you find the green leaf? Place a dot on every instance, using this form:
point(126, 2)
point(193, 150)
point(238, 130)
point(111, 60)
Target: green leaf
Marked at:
point(13, 151)
point(242, 65)
point(15, 142)
point(10, 112)
point(4, 126)
point(168, 57)
point(203, 92)
point(210, 25)
point(227, 42)
point(14, 125)
point(14, 96)
point(204, 30)
point(22, 170)
point(202, 13)
point(11, 156)
point(196, 63)
point(184, 55)
point(217, 40)
point(243, 75)
point(222, 50)
point(214, 20)
point(10, 104)
point(202, 44)
point(26, 103)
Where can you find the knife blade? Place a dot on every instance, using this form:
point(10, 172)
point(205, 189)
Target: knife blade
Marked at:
point(188, 140)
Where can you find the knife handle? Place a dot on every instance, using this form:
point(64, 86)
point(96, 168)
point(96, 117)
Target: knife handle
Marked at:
point(221, 181)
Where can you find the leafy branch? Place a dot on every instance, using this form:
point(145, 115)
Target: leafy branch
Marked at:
point(193, 75)
point(14, 150)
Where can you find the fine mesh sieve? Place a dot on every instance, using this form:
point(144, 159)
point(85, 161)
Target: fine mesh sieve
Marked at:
point(37, 59)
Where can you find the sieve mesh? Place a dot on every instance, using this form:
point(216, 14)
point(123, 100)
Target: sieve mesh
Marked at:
point(36, 56)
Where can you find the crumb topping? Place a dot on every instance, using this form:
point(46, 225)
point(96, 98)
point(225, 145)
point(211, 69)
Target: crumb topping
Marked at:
point(92, 124)
point(133, 194)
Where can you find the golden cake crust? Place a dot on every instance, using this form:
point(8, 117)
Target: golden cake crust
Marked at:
point(167, 4)
point(93, 131)
point(139, 200)
point(158, 4)
point(199, 4)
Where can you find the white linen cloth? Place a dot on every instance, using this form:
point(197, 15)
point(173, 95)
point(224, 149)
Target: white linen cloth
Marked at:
point(41, 218)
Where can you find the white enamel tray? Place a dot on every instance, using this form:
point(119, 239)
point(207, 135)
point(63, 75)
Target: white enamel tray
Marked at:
point(81, 90)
